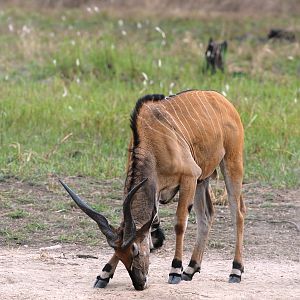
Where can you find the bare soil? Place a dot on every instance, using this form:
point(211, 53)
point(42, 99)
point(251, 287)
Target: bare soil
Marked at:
point(272, 261)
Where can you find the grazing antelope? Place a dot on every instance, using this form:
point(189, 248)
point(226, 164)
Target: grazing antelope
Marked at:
point(177, 143)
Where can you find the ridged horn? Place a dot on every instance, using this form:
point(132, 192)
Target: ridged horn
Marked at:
point(102, 222)
point(129, 225)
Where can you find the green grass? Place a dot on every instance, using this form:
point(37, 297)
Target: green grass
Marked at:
point(18, 214)
point(68, 86)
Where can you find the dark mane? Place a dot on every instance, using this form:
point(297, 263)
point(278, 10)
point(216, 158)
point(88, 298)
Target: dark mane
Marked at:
point(182, 92)
point(133, 171)
point(135, 112)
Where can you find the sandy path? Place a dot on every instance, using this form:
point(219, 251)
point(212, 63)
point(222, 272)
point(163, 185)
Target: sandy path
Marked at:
point(26, 274)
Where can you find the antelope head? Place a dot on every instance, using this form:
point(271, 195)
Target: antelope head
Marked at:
point(131, 245)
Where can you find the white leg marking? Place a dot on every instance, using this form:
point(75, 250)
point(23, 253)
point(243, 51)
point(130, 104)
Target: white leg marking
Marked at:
point(175, 270)
point(189, 270)
point(236, 272)
point(105, 275)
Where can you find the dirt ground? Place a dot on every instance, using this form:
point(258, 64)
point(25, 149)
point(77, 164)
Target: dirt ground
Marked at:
point(272, 261)
point(28, 274)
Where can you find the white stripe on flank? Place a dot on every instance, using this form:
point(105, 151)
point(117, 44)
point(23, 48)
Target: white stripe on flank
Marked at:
point(176, 124)
point(221, 114)
point(189, 137)
point(201, 130)
point(212, 123)
point(160, 133)
point(196, 100)
point(213, 111)
point(181, 140)
point(183, 114)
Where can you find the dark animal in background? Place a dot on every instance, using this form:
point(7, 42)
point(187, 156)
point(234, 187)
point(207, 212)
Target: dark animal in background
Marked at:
point(280, 34)
point(215, 55)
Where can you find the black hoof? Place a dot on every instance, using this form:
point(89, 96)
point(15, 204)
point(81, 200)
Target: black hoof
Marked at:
point(101, 283)
point(174, 279)
point(234, 279)
point(186, 277)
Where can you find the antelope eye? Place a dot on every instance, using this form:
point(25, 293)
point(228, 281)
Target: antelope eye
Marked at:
point(135, 249)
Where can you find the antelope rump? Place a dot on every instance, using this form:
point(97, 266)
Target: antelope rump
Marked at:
point(176, 145)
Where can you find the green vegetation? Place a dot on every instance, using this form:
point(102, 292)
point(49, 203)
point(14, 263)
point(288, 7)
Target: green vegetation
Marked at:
point(18, 214)
point(69, 80)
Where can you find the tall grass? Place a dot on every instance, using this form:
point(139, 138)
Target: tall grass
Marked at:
point(70, 81)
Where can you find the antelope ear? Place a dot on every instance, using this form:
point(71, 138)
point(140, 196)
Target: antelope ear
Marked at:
point(145, 228)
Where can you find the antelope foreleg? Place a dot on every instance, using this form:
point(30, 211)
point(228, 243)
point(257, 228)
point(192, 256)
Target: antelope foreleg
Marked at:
point(107, 273)
point(185, 202)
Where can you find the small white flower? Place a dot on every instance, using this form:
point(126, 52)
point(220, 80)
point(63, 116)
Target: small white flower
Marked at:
point(224, 93)
point(161, 32)
point(11, 27)
point(120, 22)
point(6, 77)
point(159, 63)
point(172, 84)
point(26, 29)
point(65, 94)
point(290, 57)
point(145, 76)
point(78, 80)
point(73, 42)
point(54, 62)
point(124, 32)
point(96, 8)
point(77, 62)
point(88, 9)
point(295, 100)
point(139, 25)
point(70, 108)
point(227, 87)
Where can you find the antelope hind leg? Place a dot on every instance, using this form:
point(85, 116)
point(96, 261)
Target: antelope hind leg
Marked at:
point(233, 174)
point(204, 213)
